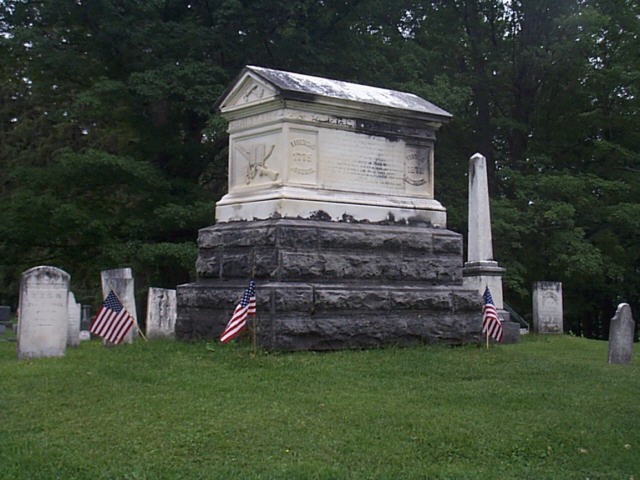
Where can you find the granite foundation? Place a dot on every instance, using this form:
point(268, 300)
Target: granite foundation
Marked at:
point(330, 285)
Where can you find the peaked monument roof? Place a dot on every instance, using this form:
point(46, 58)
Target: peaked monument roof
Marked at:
point(307, 85)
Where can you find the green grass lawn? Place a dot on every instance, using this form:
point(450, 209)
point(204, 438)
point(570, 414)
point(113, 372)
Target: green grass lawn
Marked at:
point(546, 408)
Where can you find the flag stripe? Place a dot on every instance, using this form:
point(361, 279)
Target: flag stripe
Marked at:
point(108, 318)
point(103, 321)
point(238, 321)
point(123, 330)
point(100, 321)
point(235, 325)
point(115, 327)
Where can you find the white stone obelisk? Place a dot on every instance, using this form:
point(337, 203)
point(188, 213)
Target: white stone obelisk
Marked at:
point(480, 269)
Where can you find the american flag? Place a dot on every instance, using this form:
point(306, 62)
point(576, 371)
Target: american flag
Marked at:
point(112, 322)
point(247, 306)
point(491, 324)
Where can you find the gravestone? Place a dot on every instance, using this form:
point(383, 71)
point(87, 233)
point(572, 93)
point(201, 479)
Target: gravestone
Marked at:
point(43, 321)
point(5, 313)
point(481, 270)
point(621, 333)
point(85, 322)
point(120, 280)
point(331, 210)
point(161, 313)
point(547, 307)
point(74, 314)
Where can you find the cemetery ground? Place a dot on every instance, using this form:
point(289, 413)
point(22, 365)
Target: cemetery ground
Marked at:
point(549, 407)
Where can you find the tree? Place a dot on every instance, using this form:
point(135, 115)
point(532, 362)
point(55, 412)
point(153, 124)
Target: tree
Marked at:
point(110, 153)
point(104, 147)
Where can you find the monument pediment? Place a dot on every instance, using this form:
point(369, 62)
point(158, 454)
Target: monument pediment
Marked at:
point(247, 91)
point(258, 84)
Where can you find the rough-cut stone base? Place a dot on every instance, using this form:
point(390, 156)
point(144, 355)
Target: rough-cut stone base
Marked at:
point(294, 316)
point(327, 285)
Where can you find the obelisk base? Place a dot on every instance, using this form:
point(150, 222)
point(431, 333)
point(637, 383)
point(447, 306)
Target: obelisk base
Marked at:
point(480, 275)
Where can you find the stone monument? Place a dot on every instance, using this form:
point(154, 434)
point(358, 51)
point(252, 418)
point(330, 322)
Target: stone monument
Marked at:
point(161, 313)
point(480, 269)
point(547, 307)
point(120, 280)
point(85, 321)
point(74, 313)
point(331, 210)
point(5, 313)
point(621, 333)
point(43, 321)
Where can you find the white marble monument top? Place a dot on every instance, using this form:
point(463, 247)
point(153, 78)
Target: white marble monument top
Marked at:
point(309, 147)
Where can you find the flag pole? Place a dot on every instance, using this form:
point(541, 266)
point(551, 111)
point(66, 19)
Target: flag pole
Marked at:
point(135, 320)
point(255, 317)
point(486, 286)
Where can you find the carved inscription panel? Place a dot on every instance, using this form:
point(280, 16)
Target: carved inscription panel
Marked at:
point(254, 160)
point(303, 156)
point(418, 170)
point(365, 163)
point(550, 312)
point(330, 159)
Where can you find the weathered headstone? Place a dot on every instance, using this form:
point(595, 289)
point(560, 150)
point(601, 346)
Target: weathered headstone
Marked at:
point(43, 321)
point(547, 307)
point(161, 313)
point(621, 333)
point(331, 210)
point(120, 280)
point(85, 322)
point(74, 313)
point(5, 313)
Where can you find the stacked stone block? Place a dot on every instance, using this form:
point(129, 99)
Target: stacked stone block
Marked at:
point(328, 285)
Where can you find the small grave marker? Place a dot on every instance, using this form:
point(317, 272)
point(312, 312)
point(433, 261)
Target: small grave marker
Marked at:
point(547, 307)
point(621, 335)
point(161, 313)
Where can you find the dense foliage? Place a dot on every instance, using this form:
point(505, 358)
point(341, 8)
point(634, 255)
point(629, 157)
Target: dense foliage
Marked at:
point(111, 155)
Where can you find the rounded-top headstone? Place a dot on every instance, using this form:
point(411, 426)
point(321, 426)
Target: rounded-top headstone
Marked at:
point(621, 335)
point(43, 317)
